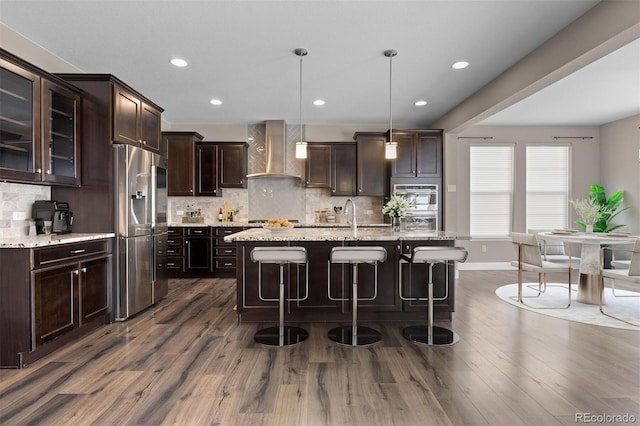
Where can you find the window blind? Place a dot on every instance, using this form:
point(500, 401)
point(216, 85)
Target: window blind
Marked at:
point(547, 186)
point(491, 190)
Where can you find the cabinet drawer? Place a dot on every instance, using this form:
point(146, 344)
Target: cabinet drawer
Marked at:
point(175, 241)
point(199, 232)
point(66, 252)
point(175, 251)
point(222, 264)
point(175, 232)
point(224, 231)
point(225, 251)
point(175, 264)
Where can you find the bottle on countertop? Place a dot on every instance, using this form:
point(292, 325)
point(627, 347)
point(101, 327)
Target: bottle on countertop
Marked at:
point(220, 216)
point(188, 211)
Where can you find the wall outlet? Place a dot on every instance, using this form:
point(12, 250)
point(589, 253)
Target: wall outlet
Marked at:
point(484, 248)
point(369, 212)
point(19, 216)
point(180, 212)
point(451, 188)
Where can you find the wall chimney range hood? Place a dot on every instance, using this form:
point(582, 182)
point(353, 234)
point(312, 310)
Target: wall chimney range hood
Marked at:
point(277, 153)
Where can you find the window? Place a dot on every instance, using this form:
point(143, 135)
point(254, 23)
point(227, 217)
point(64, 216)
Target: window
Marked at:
point(547, 186)
point(491, 203)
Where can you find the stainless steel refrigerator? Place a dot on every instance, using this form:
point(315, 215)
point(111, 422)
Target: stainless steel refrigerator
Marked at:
point(137, 224)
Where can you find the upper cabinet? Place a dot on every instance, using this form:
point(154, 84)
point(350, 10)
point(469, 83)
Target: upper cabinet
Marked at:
point(135, 122)
point(331, 165)
point(419, 154)
point(38, 125)
point(181, 151)
point(202, 168)
point(372, 167)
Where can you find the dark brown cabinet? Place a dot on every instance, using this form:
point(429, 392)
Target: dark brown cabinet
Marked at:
point(38, 125)
point(372, 168)
point(175, 251)
point(331, 165)
point(343, 172)
point(232, 165)
point(318, 166)
point(197, 250)
point(419, 154)
point(134, 121)
point(70, 296)
point(201, 168)
point(181, 154)
point(224, 254)
point(206, 169)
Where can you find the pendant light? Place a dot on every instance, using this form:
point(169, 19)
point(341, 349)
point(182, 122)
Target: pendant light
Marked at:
point(301, 145)
point(390, 148)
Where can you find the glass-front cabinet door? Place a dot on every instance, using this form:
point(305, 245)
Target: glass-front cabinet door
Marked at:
point(20, 157)
point(60, 147)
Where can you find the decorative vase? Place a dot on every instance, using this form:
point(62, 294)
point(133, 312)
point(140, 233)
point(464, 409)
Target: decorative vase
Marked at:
point(395, 223)
point(589, 229)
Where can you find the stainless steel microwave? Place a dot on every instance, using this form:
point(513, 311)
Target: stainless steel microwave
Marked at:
point(422, 196)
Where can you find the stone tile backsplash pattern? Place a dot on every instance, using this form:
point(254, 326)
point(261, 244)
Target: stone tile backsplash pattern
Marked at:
point(18, 198)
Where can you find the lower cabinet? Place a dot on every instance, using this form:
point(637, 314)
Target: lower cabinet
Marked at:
point(70, 296)
point(201, 252)
point(319, 307)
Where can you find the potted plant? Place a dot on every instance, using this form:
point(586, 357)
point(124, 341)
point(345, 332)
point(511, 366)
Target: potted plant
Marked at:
point(397, 207)
point(589, 213)
point(609, 208)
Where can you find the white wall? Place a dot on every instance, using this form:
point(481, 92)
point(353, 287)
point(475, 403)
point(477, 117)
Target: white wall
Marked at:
point(620, 163)
point(585, 160)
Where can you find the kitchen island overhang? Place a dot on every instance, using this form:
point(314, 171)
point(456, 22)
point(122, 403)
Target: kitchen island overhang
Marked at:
point(318, 307)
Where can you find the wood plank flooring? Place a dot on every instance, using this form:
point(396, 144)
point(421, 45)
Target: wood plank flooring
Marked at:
point(187, 361)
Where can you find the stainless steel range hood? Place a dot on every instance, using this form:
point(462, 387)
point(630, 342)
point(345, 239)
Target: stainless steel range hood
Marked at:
point(276, 152)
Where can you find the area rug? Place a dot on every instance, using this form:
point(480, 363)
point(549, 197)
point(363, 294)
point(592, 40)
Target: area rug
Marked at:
point(556, 295)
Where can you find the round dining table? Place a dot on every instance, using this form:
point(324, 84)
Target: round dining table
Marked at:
point(589, 285)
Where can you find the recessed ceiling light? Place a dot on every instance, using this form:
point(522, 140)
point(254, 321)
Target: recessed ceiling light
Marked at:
point(179, 62)
point(215, 102)
point(460, 65)
point(421, 103)
point(318, 102)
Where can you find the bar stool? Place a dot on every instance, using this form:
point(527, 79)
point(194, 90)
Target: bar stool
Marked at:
point(432, 255)
point(281, 335)
point(355, 335)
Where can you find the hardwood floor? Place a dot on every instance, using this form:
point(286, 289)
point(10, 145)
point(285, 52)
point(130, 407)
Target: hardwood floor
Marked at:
point(188, 361)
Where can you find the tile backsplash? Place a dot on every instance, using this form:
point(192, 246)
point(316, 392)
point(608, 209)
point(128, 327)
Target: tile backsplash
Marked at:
point(16, 202)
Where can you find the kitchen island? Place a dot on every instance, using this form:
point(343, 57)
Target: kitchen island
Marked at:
point(318, 307)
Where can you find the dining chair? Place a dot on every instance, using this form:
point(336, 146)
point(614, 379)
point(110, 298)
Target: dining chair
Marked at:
point(630, 275)
point(554, 251)
point(530, 259)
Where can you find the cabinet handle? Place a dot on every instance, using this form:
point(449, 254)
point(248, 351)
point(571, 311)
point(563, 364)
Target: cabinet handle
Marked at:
point(228, 264)
point(170, 241)
point(186, 242)
point(240, 182)
point(39, 171)
point(84, 270)
point(171, 264)
point(191, 190)
point(48, 172)
point(76, 272)
point(77, 251)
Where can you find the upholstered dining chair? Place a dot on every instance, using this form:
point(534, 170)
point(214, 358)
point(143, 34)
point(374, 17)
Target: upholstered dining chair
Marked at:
point(630, 275)
point(530, 259)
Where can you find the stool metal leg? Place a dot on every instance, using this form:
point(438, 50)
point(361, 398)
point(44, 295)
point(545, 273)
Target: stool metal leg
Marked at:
point(430, 335)
point(355, 335)
point(281, 335)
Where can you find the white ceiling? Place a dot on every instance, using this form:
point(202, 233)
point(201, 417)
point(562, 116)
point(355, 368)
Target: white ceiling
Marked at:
point(242, 53)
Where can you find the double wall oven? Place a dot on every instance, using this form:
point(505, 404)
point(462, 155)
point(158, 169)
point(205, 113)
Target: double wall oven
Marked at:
point(424, 199)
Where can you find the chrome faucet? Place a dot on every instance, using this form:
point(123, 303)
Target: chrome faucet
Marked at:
point(351, 218)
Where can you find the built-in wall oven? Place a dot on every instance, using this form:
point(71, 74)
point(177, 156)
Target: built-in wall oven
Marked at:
point(423, 214)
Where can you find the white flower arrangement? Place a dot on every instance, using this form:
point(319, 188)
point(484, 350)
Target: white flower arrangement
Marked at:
point(588, 211)
point(397, 206)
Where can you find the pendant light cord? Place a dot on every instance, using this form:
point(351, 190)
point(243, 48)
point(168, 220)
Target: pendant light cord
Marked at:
point(301, 138)
point(390, 106)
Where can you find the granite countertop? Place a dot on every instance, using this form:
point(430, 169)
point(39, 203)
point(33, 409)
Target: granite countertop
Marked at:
point(338, 234)
point(260, 225)
point(51, 240)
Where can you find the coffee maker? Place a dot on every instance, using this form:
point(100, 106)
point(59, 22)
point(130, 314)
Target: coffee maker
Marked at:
point(56, 212)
